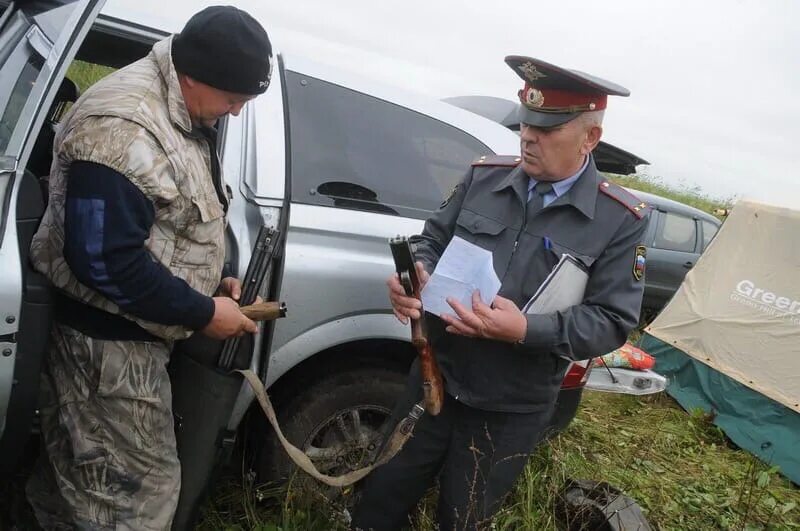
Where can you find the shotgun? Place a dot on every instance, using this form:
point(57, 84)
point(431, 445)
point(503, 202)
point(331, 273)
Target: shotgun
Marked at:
point(257, 269)
point(432, 386)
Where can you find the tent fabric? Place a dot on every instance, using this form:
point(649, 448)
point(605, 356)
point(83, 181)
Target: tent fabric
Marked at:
point(729, 340)
point(738, 309)
point(760, 425)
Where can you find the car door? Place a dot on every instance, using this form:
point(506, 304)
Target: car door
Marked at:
point(674, 250)
point(38, 40)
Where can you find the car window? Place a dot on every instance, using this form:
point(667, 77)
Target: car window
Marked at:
point(21, 66)
point(26, 40)
point(355, 151)
point(709, 230)
point(676, 233)
point(17, 98)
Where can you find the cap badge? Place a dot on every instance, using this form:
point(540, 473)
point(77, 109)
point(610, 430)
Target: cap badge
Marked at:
point(533, 97)
point(264, 84)
point(529, 70)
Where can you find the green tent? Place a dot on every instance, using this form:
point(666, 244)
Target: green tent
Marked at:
point(729, 340)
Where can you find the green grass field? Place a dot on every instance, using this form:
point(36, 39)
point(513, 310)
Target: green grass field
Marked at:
point(679, 467)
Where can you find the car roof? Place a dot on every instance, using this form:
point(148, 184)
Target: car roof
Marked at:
point(668, 205)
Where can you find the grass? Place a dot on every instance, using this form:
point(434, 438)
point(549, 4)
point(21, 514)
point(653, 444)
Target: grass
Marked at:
point(692, 196)
point(86, 74)
point(679, 468)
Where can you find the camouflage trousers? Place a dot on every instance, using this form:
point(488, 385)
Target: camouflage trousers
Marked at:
point(110, 460)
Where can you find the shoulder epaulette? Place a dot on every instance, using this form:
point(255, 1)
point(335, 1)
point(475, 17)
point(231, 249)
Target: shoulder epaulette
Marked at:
point(497, 160)
point(624, 197)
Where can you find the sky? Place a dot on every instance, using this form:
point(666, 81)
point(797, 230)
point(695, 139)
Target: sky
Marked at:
point(715, 84)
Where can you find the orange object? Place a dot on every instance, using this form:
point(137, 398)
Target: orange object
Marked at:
point(627, 357)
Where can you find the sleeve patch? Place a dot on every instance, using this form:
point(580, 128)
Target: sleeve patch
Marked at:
point(639, 259)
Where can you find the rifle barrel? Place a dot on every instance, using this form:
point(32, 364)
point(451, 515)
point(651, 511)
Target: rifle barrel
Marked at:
point(257, 268)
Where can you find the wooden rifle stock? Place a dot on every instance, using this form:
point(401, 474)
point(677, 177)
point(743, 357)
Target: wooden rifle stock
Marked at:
point(264, 311)
point(432, 385)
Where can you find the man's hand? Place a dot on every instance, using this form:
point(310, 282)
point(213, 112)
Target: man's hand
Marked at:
point(230, 287)
point(404, 306)
point(502, 321)
point(228, 320)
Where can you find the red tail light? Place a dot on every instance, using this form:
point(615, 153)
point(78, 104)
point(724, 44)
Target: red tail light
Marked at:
point(577, 374)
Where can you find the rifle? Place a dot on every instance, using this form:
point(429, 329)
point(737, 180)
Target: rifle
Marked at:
point(257, 268)
point(432, 386)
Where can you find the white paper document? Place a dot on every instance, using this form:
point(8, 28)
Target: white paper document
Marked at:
point(563, 287)
point(463, 268)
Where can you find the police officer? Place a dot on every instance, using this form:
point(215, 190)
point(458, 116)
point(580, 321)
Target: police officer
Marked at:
point(502, 368)
point(133, 241)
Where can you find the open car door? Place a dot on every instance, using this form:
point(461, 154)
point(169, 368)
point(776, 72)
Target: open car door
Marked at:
point(38, 40)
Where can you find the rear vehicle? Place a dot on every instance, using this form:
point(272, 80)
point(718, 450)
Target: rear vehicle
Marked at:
point(677, 236)
point(338, 163)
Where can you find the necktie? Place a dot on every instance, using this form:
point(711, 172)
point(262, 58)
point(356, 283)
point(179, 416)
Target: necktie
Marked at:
point(543, 188)
point(536, 201)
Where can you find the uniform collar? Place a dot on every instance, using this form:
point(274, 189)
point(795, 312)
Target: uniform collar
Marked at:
point(582, 195)
point(562, 187)
point(178, 112)
point(516, 179)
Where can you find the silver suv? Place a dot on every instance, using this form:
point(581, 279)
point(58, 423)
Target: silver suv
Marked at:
point(338, 164)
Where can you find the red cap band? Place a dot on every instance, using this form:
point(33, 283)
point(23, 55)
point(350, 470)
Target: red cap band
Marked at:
point(564, 101)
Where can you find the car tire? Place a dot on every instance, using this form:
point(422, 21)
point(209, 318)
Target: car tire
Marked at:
point(319, 418)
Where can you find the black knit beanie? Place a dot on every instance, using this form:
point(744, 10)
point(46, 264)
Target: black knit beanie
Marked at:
point(226, 48)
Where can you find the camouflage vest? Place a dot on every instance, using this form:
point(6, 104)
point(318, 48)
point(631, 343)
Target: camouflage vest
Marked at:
point(135, 121)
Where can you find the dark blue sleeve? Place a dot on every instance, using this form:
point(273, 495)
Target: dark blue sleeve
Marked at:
point(106, 223)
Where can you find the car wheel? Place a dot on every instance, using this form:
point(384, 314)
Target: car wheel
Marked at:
point(337, 421)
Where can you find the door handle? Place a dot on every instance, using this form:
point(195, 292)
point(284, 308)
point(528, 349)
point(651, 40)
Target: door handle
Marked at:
point(688, 265)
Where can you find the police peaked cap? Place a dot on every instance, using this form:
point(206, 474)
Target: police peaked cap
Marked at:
point(553, 95)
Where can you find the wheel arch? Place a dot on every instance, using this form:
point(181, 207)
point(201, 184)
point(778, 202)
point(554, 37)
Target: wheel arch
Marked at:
point(386, 353)
point(378, 337)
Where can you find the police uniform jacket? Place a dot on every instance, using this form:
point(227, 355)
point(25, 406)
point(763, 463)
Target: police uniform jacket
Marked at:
point(597, 222)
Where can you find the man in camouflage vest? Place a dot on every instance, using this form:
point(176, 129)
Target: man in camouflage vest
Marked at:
point(133, 240)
